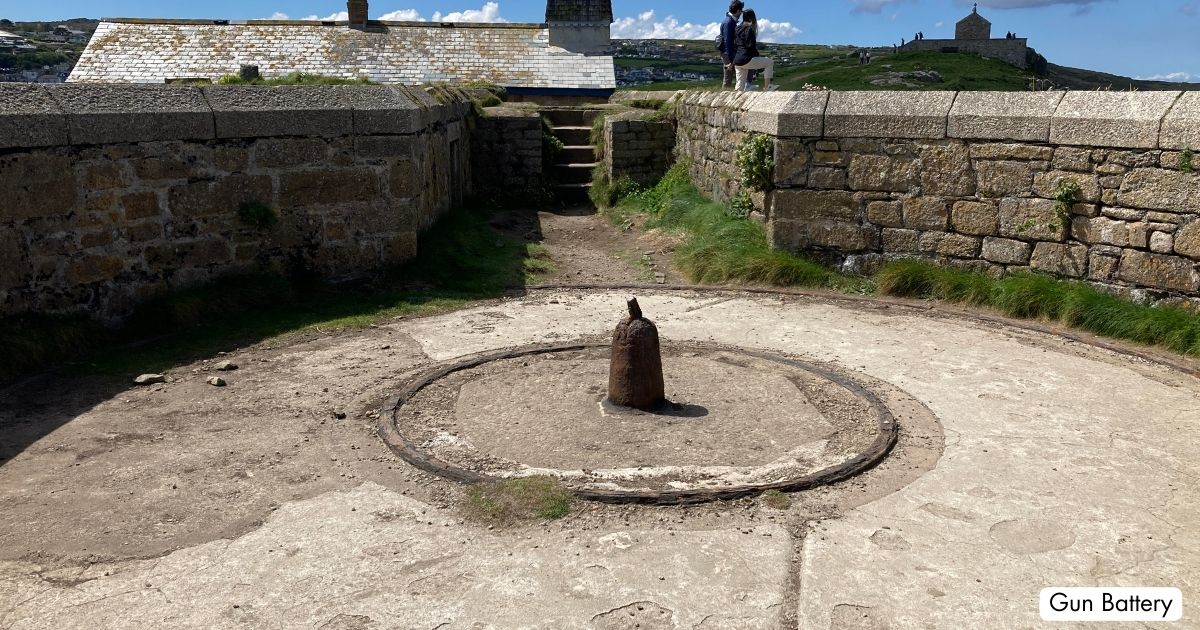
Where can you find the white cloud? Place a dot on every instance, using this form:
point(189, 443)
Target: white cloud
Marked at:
point(340, 16)
point(1185, 77)
point(403, 15)
point(647, 26)
point(489, 12)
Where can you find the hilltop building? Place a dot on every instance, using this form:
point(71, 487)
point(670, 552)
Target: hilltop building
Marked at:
point(973, 34)
point(567, 56)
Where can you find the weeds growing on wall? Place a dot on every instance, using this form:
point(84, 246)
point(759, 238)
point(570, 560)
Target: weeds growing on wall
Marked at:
point(552, 147)
point(597, 135)
point(461, 258)
point(755, 161)
point(1185, 161)
point(1065, 192)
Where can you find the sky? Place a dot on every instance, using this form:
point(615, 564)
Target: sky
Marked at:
point(1140, 38)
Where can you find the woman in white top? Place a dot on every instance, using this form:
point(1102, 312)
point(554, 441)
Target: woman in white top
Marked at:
point(747, 57)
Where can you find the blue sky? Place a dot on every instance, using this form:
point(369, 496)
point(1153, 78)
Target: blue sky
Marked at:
point(1140, 38)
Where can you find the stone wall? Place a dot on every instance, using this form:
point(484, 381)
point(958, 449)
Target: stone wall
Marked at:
point(111, 194)
point(970, 179)
point(638, 148)
point(1012, 51)
point(506, 153)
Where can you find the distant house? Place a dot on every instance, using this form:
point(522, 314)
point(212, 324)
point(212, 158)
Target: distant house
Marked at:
point(569, 55)
point(15, 43)
point(62, 33)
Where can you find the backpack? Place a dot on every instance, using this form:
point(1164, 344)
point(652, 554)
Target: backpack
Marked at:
point(720, 42)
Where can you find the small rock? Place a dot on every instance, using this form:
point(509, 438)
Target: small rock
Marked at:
point(150, 379)
point(217, 381)
point(385, 347)
point(340, 415)
point(226, 366)
point(660, 278)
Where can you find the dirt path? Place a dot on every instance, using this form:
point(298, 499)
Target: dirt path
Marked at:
point(586, 248)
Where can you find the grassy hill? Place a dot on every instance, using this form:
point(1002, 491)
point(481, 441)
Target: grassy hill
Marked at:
point(837, 68)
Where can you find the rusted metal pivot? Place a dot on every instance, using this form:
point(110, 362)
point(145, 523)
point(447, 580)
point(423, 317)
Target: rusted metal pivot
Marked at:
point(635, 376)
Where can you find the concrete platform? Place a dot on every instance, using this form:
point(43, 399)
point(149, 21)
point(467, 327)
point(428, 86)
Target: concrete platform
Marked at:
point(1063, 464)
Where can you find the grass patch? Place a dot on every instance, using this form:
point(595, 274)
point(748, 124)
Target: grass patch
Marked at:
point(776, 500)
point(512, 500)
point(722, 248)
point(461, 259)
point(960, 71)
point(1032, 296)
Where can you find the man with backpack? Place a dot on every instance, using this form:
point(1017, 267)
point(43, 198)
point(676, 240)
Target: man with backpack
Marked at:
point(726, 39)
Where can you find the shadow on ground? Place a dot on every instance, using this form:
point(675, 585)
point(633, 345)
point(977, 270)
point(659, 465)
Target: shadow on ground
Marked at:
point(469, 255)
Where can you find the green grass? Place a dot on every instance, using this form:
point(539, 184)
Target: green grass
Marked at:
point(700, 68)
point(1032, 296)
point(512, 500)
point(776, 500)
point(721, 248)
point(460, 259)
point(960, 71)
point(295, 78)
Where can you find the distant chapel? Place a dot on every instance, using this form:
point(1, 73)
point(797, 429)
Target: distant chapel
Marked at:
point(973, 34)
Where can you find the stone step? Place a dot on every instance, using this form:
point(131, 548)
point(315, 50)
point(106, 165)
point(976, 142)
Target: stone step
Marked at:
point(574, 136)
point(573, 193)
point(577, 154)
point(571, 117)
point(573, 173)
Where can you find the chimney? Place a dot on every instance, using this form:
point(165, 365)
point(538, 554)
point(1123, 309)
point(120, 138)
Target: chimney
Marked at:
point(358, 12)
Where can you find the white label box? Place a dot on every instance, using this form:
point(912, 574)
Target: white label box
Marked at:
point(1111, 604)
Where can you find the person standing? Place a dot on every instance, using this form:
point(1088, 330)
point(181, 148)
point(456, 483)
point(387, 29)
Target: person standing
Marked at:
point(747, 56)
point(728, 41)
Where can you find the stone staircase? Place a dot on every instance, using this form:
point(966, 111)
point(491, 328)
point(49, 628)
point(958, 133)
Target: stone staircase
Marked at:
point(572, 171)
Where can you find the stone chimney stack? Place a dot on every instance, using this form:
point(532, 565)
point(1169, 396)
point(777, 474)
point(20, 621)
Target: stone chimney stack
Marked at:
point(358, 12)
point(580, 26)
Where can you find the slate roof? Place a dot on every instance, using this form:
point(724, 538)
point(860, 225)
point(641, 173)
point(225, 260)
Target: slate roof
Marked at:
point(512, 55)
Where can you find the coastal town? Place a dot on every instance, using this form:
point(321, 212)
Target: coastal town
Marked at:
point(41, 52)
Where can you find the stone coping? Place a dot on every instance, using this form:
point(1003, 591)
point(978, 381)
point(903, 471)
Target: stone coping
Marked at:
point(91, 114)
point(1132, 120)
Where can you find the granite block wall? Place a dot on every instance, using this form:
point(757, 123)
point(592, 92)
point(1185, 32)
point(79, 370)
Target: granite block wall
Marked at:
point(112, 194)
point(506, 152)
point(638, 147)
point(971, 179)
